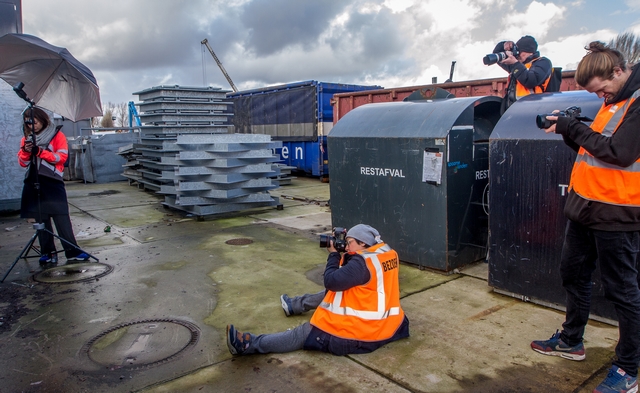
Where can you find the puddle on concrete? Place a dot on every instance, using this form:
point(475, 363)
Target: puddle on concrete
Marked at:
point(172, 265)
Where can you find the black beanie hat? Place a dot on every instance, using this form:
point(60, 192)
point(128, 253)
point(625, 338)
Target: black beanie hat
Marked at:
point(527, 44)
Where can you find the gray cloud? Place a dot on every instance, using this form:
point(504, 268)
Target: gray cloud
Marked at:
point(273, 25)
point(134, 45)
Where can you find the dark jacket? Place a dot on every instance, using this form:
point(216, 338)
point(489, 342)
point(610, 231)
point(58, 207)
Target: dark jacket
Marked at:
point(621, 149)
point(536, 75)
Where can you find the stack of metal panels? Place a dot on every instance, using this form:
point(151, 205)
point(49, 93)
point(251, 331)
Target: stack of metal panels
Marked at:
point(187, 153)
point(169, 111)
point(222, 173)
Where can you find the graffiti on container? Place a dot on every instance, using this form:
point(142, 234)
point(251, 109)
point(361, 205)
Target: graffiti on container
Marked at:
point(456, 165)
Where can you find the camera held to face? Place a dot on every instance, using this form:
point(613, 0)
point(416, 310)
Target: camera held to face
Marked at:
point(339, 239)
point(494, 58)
point(572, 111)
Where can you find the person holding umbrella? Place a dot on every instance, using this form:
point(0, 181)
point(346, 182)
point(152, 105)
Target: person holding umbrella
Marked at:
point(43, 195)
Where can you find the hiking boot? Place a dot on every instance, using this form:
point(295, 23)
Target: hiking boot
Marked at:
point(617, 381)
point(286, 305)
point(556, 347)
point(83, 256)
point(237, 342)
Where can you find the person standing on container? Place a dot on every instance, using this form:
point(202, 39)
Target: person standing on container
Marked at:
point(359, 313)
point(43, 194)
point(603, 208)
point(529, 73)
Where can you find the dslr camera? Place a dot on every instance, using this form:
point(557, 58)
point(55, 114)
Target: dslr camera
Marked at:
point(572, 111)
point(339, 239)
point(494, 58)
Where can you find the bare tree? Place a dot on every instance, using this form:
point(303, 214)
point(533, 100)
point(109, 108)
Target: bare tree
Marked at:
point(629, 45)
point(122, 115)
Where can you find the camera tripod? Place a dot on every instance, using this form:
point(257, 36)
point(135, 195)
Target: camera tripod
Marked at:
point(39, 227)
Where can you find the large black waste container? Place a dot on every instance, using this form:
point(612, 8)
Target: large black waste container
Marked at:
point(529, 176)
point(418, 172)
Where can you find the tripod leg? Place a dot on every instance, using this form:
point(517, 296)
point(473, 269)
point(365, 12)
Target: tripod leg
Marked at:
point(65, 241)
point(23, 253)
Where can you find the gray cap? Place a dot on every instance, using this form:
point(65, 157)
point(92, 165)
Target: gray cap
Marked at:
point(365, 234)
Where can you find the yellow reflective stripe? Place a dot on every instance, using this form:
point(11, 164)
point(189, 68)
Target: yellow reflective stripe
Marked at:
point(596, 163)
point(380, 313)
point(50, 167)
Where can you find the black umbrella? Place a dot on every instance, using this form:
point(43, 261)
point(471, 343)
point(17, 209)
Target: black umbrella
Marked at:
point(52, 77)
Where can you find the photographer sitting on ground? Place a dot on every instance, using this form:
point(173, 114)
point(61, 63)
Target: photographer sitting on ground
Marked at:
point(529, 73)
point(350, 318)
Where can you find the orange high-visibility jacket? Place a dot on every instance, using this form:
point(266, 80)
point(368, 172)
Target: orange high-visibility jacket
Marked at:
point(522, 91)
point(597, 180)
point(50, 160)
point(369, 312)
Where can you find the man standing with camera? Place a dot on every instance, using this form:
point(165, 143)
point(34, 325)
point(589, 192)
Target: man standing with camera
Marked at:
point(360, 311)
point(603, 207)
point(529, 73)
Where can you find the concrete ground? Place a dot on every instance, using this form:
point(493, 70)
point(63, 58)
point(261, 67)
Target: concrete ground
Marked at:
point(156, 321)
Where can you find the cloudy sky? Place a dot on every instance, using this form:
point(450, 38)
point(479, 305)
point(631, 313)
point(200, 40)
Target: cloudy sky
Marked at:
point(132, 45)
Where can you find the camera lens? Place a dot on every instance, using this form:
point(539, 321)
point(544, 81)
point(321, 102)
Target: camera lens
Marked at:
point(325, 240)
point(493, 58)
point(543, 122)
point(490, 59)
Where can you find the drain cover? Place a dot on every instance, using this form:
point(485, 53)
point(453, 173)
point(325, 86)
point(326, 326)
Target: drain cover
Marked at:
point(142, 344)
point(73, 273)
point(239, 241)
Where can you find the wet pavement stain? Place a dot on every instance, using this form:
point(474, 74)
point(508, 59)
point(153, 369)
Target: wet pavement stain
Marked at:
point(248, 294)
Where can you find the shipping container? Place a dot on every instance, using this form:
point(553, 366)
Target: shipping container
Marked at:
point(344, 102)
point(299, 114)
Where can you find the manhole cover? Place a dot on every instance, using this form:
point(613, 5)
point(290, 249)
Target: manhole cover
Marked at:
point(239, 241)
point(142, 344)
point(73, 273)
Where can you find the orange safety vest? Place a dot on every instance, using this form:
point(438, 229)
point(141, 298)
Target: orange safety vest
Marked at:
point(368, 312)
point(596, 180)
point(522, 91)
point(50, 160)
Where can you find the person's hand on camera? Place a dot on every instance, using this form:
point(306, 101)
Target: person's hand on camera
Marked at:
point(554, 119)
point(510, 59)
point(330, 247)
point(508, 45)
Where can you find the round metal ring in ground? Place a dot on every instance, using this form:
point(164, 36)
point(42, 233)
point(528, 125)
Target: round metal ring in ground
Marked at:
point(242, 241)
point(142, 344)
point(73, 272)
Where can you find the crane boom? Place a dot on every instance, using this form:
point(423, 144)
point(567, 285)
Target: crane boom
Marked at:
point(205, 42)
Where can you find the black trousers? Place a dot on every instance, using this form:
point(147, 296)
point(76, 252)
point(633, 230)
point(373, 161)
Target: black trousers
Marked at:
point(64, 230)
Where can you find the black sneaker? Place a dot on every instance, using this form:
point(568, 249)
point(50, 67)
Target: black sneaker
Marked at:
point(237, 342)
